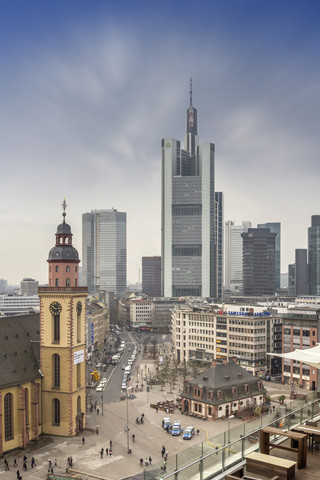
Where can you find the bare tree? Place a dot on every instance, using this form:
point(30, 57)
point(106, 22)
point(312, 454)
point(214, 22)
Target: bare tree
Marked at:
point(154, 343)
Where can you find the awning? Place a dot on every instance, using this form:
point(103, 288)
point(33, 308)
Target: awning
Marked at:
point(309, 356)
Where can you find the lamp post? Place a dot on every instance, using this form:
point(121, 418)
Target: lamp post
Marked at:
point(102, 390)
point(229, 418)
point(127, 426)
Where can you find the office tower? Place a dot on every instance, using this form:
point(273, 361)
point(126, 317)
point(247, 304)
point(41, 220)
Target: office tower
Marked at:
point(29, 286)
point(3, 285)
point(292, 280)
point(234, 255)
point(275, 227)
point(191, 212)
point(301, 271)
point(104, 251)
point(314, 256)
point(151, 276)
point(258, 261)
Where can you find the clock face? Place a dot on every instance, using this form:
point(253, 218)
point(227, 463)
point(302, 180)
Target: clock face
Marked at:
point(79, 308)
point(55, 308)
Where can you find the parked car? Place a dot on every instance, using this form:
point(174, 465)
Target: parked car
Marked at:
point(166, 422)
point(123, 367)
point(188, 433)
point(124, 386)
point(176, 428)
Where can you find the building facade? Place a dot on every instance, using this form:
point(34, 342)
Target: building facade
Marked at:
point(29, 287)
point(190, 215)
point(211, 333)
point(314, 256)
point(275, 227)
point(153, 312)
point(234, 255)
point(18, 304)
point(258, 262)
point(104, 251)
point(151, 276)
point(98, 323)
point(301, 271)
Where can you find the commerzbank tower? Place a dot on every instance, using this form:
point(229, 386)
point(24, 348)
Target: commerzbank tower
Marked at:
point(191, 216)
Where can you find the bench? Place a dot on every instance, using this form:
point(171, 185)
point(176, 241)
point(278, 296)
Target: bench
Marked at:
point(266, 464)
point(240, 474)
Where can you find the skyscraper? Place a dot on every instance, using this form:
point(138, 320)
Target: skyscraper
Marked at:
point(234, 255)
point(275, 227)
point(314, 256)
point(151, 276)
point(301, 271)
point(192, 216)
point(258, 262)
point(104, 251)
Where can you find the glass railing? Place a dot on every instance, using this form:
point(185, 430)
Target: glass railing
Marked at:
point(212, 457)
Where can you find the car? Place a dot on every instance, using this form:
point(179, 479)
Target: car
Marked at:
point(123, 367)
point(99, 388)
point(130, 362)
point(176, 428)
point(188, 433)
point(166, 422)
point(129, 349)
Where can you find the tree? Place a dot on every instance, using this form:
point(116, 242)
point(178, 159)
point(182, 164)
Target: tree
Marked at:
point(154, 343)
point(282, 399)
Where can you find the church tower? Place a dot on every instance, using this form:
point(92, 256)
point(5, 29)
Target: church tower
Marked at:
point(63, 339)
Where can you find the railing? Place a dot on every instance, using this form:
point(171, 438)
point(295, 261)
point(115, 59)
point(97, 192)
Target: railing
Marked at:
point(211, 458)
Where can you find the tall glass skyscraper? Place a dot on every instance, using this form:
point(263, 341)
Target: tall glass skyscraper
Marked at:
point(275, 227)
point(234, 255)
point(314, 256)
point(104, 251)
point(192, 216)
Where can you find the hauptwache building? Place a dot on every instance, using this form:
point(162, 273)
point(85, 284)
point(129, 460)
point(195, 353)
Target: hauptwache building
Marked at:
point(42, 357)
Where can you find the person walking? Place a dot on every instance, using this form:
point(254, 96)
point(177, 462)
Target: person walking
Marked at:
point(133, 437)
point(110, 452)
point(97, 411)
point(141, 462)
point(110, 443)
point(107, 451)
point(15, 463)
point(146, 462)
point(18, 474)
point(101, 452)
point(33, 462)
point(163, 451)
point(83, 440)
point(6, 465)
point(24, 466)
point(97, 429)
point(150, 460)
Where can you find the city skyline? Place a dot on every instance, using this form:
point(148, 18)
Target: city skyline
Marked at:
point(90, 88)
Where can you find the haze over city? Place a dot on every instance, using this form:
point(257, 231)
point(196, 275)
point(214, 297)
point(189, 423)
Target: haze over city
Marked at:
point(90, 88)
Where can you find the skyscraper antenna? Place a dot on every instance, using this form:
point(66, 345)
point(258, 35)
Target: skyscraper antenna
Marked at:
point(190, 91)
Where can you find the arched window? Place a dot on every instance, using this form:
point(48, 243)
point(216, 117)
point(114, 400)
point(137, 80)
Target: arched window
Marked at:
point(68, 268)
point(78, 405)
point(78, 375)
point(56, 370)
point(68, 282)
point(66, 240)
point(78, 326)
point(55, 412)
point(26, 399)
point(57, 268)
point(8, 416)
point(57, 282)
point(56, 328)
point(60, 240)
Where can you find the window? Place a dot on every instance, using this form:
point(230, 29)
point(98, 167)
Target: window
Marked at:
point(26, 400)
point(78, 327)
point(68, 282)
point(57, 282)
point(56, 328)
point(78, 375)
point(57, 268)
point(56, 370)
point(79, 405)
point(56, 412)
point(67, 268)
point(8, 416)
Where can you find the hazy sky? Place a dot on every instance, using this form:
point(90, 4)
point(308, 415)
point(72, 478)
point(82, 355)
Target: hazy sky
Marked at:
point(89, 88)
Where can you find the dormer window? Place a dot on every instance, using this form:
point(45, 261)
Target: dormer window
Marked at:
point(234, 391)
point(246, 388)
point(219, 393)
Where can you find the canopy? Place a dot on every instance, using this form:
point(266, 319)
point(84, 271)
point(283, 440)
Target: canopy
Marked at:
point(309, 356)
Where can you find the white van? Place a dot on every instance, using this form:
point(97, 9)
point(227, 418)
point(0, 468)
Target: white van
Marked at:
point(127, 369)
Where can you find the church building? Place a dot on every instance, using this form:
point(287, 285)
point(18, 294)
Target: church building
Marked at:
point(42, 357)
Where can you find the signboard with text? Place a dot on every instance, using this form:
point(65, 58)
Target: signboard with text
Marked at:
point(78, 357)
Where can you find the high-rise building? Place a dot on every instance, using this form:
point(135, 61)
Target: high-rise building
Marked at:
point(104, 251)
point(314, 256)
point(151, 276)
point(301, 271)
point(234, 255)
point(275, 227)
point(258, 262)
point(292, 280)
point(192, 216)
point(29, 286)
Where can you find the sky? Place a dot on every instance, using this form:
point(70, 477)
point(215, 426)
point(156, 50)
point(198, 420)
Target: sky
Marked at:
point(89, 87)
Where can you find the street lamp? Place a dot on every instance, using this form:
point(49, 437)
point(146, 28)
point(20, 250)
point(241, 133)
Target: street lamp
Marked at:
point(229, 418)
point(102, 390)
point(127, 426)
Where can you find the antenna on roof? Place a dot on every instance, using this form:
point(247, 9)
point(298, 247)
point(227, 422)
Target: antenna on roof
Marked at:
point(64, 206)
point(190, 91)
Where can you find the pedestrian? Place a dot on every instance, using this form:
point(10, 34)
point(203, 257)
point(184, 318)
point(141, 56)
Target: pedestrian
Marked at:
point(24, 466)
point(83, 440)
point(133, 437)
point(146, 462)
point(6, 465)
point(110, 443)
point(141, 462)
point(24, 458)
point(101, 452)
point(15, 463)
point(18, 474)
point(33, 463)
point(110, 452)
point(150, 460)
point(156, 409)
point(97, 411)
point(162, 423)
point(97, 429)
point(55, 462)
point(52, 470)
point(166, 456)
point(71, 462)
point(163, 451)
point(50, 462)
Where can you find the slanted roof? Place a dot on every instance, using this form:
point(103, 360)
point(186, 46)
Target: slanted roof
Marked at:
point(19, 349)
point(223, 377)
